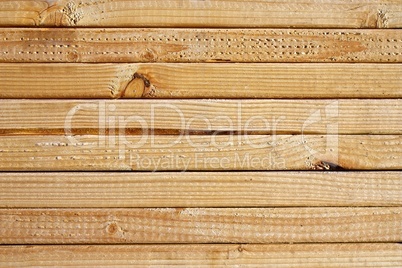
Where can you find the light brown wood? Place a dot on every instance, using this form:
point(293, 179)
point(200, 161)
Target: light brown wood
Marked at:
point(200, 225)
point(293, 155)
point(200, 189)
point(203, 80)
point(199, 45)
point(221, 152)
point(201, 116)
point(213, 13)
point(65, 80)
point(223, 255)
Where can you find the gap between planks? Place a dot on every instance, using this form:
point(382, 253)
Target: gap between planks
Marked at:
point(200, 189)
point(212, 255)
point(202, 80)
point(217, 117)
point(200, 225)
point(199, 45)
point(213, 13)
point(221, 152)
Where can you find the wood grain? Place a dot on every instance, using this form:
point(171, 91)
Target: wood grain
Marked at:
point(200, 225)
point(303, 170)
point(223, 255)
point(214, 13)
point(202, 80)
point(199, 45)
point(221, 152)
point(200, 189)
point(201, 116)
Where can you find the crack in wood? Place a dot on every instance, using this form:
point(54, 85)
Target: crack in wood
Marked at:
point(324, 165)
point(143, 78)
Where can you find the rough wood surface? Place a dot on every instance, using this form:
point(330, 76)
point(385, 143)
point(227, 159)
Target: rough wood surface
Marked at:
point(201, 116)
point(214, 13)
point(200, 225)
point(201, 189)
point(307, 176)
point(199, 45)
point(203, 80)
point(221, 152)
point(223, 255)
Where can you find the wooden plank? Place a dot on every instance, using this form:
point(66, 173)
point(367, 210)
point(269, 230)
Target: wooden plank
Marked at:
point(200, 189)
point(200, 225)
point(201, 116)
point(224, 80)
point(192, 255)
point(213, 13)
point(214, 152)
point(199, 45)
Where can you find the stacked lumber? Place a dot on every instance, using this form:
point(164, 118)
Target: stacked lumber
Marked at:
point(169, 133)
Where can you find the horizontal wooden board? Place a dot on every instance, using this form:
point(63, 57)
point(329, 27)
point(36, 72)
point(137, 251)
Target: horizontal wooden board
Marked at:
point(199, 45)
point(200, 80)
point(213, 13)
point(201, 116)
point(221, 152)
point(200, 225)
point(192, 255)
point(200, 189)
